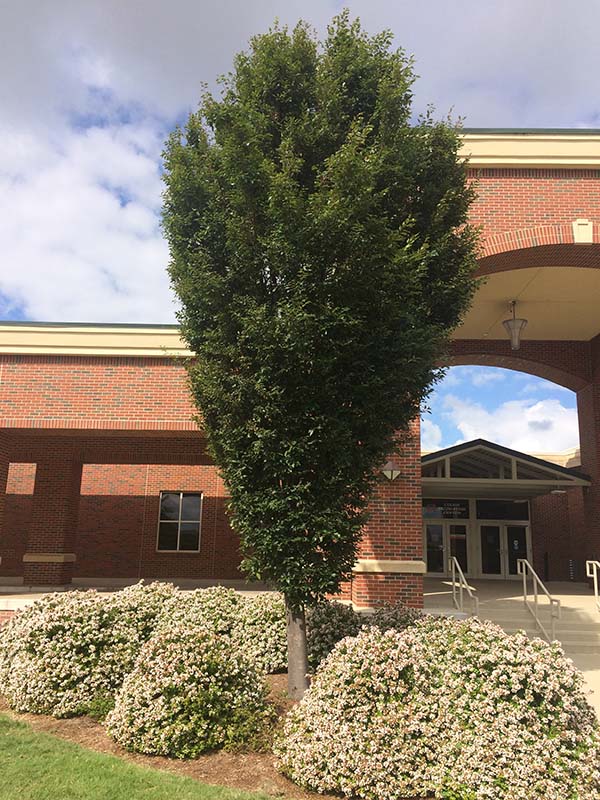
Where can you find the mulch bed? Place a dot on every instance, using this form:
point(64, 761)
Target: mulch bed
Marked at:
point(252, 772)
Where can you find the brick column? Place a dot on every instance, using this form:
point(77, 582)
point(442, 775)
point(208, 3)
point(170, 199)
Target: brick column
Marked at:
point(390, 566)
point(588, 407)
point(4, 464)
point(50, 546)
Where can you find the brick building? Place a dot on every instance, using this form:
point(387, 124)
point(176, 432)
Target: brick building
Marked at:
point(106, 476)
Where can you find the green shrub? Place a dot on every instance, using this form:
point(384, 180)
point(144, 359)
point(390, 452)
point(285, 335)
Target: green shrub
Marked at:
point(67, 649)
point(448, 709)
point(189, 692)
point(255, 624)
point(326, 624)
point(396, 617)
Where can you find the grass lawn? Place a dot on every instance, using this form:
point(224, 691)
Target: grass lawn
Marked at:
point(37, 766)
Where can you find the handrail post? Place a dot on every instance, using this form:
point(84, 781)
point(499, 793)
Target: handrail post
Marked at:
point(591, 570)
point(524, 568)
point(457, 577)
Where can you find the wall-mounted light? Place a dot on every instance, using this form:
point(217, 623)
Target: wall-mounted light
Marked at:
point(390, 471)
point(514, 327)
point(558, 490)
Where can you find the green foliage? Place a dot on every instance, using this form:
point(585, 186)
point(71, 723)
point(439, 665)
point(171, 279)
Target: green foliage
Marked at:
point(320, 251)
point(445, 708)
point(254, 625)
point(190, 691)
point(326, 624)
point(100, 706)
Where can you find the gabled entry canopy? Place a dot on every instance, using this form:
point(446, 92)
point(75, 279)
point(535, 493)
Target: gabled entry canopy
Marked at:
point(484, 469)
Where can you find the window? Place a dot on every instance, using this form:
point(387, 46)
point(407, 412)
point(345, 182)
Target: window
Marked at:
point(502, 509)
point(179, 522)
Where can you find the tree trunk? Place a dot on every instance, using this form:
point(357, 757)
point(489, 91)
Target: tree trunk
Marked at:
point(297, 657)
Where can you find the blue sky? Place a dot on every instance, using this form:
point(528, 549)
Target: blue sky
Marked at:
point(89, 91)
point(511, 408)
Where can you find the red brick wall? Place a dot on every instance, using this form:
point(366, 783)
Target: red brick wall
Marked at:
point(115, 507)
point(510, 200)
point(17, 516)
point(558, 530)
point(118, 521)
point(394, 530)
point(376, 589)
point(94, 392)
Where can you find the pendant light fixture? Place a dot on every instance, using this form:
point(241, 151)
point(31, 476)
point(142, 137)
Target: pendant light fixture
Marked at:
point(514, 327)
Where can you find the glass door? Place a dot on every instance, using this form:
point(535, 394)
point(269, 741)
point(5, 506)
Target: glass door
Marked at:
point(502, 545)
point(491, 550)
point(516, 545)
point(434, 545)
point(457, 541)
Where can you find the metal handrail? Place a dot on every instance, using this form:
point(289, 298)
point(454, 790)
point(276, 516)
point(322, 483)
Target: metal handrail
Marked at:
point(592, 568)
point(524, 568)
point(460, 586)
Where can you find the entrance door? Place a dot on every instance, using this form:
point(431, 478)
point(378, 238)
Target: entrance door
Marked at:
point(516, 546)
point(457, 544)
point(434, 542)
point(501, 547)
point(491, 549)
point(442, 540)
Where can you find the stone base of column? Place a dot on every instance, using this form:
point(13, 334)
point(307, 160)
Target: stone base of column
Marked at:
point(48, 569)
point(371, 591)
point(380, 582)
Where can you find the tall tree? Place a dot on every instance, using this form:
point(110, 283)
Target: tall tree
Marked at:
point(321, 253)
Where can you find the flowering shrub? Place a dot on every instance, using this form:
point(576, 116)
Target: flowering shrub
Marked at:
point(396, 617)
point(255, 624)
point(189, 692)
point(326, 624)
point(261, 631)
point(448, 709)
point(60, 654)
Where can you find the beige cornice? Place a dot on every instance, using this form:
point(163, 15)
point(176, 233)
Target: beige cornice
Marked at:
point(390, 566)
point(158, 341)
point(532, 149)
point(49, 558)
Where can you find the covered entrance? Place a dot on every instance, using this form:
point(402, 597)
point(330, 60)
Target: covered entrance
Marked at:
point(476, 506)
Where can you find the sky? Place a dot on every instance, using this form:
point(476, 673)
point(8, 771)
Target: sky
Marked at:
point(89, 89)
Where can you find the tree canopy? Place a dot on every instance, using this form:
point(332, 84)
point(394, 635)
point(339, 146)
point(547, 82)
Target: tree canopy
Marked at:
point(321, 253)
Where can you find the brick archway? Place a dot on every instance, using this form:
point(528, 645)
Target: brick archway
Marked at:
point(543, 246)
point(565, 363)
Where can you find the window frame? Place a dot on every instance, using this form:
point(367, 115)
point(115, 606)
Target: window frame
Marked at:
point(181, 493)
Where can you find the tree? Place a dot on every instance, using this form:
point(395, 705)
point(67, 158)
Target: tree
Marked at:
point(321, 253)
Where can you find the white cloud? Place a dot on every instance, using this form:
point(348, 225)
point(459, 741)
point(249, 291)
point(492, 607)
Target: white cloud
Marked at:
point(531, 426)
point(539, 385)
point(431, 435)
point(80, 237)
point(483, 377)
point(78, 233)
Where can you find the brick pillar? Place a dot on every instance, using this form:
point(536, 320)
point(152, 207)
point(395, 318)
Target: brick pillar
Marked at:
point(50, 545)
point(588, 407)
point(390, 565)
point(4, 464)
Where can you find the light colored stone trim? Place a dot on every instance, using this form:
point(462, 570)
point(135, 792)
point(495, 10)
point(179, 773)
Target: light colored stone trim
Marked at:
point(93, 340)
point(49, 558)
point(390, 566)
point(532, 149)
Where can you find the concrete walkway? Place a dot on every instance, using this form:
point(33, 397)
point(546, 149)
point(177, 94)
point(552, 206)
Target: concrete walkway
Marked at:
point(578, 629)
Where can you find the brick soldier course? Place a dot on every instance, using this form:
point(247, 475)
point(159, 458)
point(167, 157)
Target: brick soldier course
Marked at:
point(96, 421)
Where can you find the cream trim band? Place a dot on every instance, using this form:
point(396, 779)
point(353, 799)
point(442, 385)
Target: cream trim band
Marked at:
point(390, 566)
point(558, 150)
point(49, 558)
